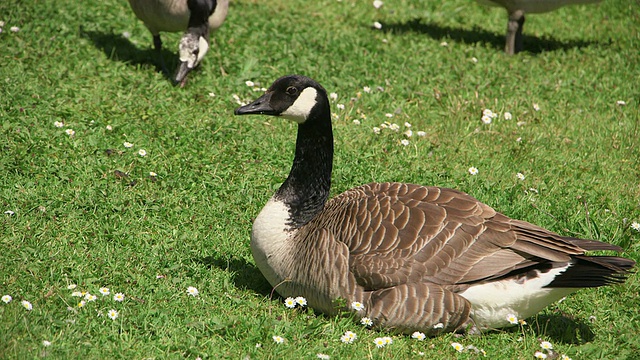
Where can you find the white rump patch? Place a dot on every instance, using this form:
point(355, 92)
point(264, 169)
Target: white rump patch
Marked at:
point(492, 302)
point(299, 111)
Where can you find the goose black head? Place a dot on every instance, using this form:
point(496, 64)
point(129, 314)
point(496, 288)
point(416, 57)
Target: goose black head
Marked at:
point(293, 97)
point(192, 50)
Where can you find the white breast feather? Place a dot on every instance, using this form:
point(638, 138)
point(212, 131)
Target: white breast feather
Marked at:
point(269, 239)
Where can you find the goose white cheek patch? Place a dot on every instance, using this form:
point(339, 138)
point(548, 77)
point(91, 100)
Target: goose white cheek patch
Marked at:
point(299, 111)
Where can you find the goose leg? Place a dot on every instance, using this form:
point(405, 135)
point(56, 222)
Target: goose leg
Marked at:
point(419, 307)
point(514, 32)
point(157, 44)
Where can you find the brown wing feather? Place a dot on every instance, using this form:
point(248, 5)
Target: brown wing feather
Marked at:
point(403, 233)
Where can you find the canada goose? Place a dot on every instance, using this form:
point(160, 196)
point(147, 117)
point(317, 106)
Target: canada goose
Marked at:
point(416, 257)
point(196, 17)
point(516, 10)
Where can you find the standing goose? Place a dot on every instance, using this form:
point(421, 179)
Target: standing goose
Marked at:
point(414, 256)
point(196, 17)
point(516, 10)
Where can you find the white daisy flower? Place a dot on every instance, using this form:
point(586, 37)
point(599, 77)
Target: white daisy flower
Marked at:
point(6, 299)
point(486, 119)
point(444, 43)
point(540, 355)
point(366, 321)
point(635, 226)
point(301, 301)
point(536, 107)
point(508, 116)
point(70, 132)
point(404, 142)
point(119, 297)
point(394, 127)
point(418, 335)
point(142, 152)
point(457, 346)
point(112, 314)
point(357, 306)
point(104, 291)
point(14, 29)
point(333, 96)
point(474, 60)
point(151, 173)
point(192, 291)
point(366, 89)
point(250, 83)
point(290, 302)
point(473, 170)
point(546, 345)
point(71, 286)
point(376, 130)
point(348, 337)
point(278, 339)
point(377, 4)
point(379, 342)
point(46, 343)
point(340, 106)
point(621, 103)
point(489, 113)
point(77, 294)
point(520, 176)
point(27, 305)
point(323, 356)
point(58, 124)
point(356, 122)
point(90, 297)
point(127, 144)
point(408, 133)
point(564, 357)
point(421, 133)
point(512, 319)
point(377, 25)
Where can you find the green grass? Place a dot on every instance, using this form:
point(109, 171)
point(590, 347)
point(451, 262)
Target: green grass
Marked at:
point(76, 222)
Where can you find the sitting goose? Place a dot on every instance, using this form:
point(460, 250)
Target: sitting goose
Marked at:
point(416, 257)
point(196, 17)
point(516, 10)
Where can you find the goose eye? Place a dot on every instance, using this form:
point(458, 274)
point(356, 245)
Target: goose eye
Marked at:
point(291, 90)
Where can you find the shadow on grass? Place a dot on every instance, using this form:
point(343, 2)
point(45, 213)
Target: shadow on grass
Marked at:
point(119, 48)
point(562, 329)
point(532, 44)
point(559, 328)
point(245, 275)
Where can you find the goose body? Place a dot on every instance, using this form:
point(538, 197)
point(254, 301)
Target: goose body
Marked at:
point(197, 18)
point(415, 256)
point(516, 9)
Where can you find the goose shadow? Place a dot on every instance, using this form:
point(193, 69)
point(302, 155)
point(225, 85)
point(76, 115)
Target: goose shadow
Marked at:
point(119, 48)
point(245, 275)
point(561, 328)
point(478, 35)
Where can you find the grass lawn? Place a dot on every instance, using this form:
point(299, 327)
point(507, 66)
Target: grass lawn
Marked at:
point(83, 209)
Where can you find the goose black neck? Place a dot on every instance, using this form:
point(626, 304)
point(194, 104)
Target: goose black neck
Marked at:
point(307, 187)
